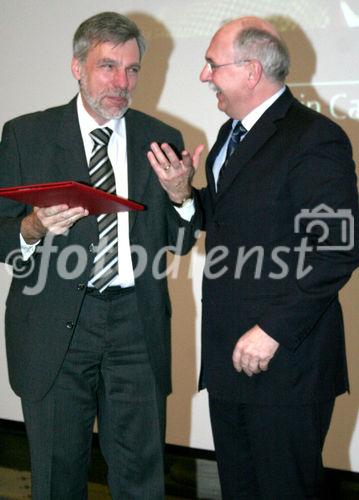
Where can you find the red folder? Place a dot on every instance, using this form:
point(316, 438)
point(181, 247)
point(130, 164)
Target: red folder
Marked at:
point(72, 193)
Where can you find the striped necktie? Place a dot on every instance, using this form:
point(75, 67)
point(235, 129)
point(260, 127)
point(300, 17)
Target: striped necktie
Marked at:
point(102, 176)
point(234, 140)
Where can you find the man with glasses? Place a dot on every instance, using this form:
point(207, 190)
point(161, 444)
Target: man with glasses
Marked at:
point(273, 354)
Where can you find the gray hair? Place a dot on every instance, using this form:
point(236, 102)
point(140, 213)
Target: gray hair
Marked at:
point(105, 27)
point(255, 43)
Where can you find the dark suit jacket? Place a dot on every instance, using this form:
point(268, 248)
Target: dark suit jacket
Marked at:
point(292, 159)
point(47, 146)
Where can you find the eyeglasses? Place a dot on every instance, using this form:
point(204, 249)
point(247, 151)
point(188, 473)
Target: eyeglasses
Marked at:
point(212, 66)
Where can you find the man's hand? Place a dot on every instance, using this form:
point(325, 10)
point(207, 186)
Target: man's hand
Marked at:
point(175, 175)
point(253, 351)
point(57, 220)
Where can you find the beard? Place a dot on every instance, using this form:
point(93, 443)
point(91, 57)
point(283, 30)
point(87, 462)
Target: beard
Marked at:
point(95, 101)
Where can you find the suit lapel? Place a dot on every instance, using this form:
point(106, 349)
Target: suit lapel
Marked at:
point(221, 139)
point(70, 158)
point(253, 141)
point(259, 134)
point(137, 164)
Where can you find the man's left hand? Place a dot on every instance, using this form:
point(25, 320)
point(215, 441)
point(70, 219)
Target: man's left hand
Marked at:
point(253, 351)
point(174, 174)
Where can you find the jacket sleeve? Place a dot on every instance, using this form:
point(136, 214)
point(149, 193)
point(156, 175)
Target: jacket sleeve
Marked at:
point(181, 233)
point(11, 212)
point(322, 179)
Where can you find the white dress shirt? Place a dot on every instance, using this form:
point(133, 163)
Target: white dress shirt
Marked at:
point(117, 152)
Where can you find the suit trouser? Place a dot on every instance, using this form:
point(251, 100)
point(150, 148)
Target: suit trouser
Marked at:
point(269, 452)
point(106, 372)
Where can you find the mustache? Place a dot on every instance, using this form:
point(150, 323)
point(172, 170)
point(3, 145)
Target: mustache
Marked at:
point(214, 87)
point(123, 93)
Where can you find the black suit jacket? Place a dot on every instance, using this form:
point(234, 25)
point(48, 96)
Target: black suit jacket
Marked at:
point(292, 159)
point(47, 146)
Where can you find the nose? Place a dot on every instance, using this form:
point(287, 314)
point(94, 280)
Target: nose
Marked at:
point(121, 78)
point(206, 74)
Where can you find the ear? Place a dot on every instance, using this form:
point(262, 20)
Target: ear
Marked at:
point(255, 72)
point(75, 68)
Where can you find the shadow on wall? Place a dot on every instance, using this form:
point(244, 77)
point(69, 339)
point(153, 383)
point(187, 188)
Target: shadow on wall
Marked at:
point(184, 365)
point(303, 69)
point(153, 76)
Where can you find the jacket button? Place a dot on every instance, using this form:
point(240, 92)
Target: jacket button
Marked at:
point(81, 286)
point(69, 325)
point(92, 248)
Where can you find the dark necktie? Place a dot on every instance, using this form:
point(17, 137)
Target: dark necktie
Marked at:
point(105, 267)
point(234, 141)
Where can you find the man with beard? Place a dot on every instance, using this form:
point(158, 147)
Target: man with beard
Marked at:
point(273, 353)
point(95, 340)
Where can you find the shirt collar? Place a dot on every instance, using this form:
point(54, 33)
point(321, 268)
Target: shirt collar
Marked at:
point(88, 123)
point(252, 117)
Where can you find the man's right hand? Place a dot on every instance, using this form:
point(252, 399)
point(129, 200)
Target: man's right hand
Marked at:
point(57, 220)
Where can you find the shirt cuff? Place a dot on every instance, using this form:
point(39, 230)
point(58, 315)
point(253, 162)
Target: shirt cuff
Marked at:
point(186, 212)
point(26, 249)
